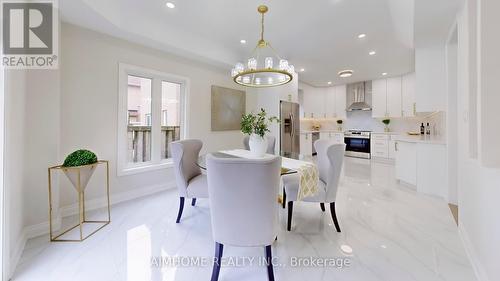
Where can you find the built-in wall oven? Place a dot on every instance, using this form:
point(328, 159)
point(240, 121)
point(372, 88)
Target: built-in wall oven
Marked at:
point(357, 143)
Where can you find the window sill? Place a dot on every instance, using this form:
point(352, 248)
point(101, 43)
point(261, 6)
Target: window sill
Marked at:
point(144, 168)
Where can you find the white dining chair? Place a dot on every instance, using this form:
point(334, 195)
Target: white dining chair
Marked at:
point(330, 160)
point(244, 213)
point(191, 183)
point(271, 144)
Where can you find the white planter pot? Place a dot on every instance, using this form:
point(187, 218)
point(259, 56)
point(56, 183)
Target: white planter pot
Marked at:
point(258, 145)
point(86, 173)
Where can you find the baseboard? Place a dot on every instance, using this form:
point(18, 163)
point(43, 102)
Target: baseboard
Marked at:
point(17, 252)
point(471, 253)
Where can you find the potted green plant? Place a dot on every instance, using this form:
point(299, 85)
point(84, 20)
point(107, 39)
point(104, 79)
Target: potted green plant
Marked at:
point(79, 167)
point(339, 124)
point(386, 123)
point(256, 126)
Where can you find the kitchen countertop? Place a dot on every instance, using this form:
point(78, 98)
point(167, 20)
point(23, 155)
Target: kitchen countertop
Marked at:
point(387, 133)
point(420, 139)
point(320, 131)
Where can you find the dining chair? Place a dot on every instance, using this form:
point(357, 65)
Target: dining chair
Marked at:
point(251, 222)
point(271, 143)
point(329, 160)
point(191, 183)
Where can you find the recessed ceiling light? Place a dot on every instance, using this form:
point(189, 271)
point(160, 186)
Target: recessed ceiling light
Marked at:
point(329, 82)
point(371, 53)
point(302, 70)
point(384, 74)
point(243, 41)
point(170, 5)
point(361, 36)
point(345, 73)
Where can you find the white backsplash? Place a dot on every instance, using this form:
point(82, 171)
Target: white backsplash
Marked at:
point(363, 120)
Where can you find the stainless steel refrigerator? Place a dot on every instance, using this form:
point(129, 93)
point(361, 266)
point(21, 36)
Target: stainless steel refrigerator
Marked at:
point(290, 129)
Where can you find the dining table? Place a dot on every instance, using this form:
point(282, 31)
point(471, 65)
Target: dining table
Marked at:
point(307, 172)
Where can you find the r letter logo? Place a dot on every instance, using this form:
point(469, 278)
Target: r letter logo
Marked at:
point(29, 34)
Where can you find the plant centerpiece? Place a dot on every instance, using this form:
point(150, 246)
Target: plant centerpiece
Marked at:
point(256, 126)
point(386, 123)
point(79, 167)
point(339, 124)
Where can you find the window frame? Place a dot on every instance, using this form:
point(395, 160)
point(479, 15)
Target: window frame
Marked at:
point(125, 168)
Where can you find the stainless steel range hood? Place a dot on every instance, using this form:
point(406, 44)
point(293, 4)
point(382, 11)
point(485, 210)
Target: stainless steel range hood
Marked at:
point(357, 94)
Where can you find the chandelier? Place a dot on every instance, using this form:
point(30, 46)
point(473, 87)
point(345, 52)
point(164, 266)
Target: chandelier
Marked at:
point(264, 67)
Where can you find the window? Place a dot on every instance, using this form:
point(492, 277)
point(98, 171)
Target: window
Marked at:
point(151, 116)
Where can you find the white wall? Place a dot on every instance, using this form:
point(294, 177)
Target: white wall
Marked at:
point(89, 102)
point(15, 98)
point(478, 186)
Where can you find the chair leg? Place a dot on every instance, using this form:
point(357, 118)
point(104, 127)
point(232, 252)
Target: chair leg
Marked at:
point(217, 261)
point(290, 211)
point(181, 207)
point(322, 205)
point(334, 216)
point(284, 198)
point(193, 202)
point(269, 260)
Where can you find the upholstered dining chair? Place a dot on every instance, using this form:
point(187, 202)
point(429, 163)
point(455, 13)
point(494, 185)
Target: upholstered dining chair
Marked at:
point(330, 161)
point(191, 183)
point(271, 143)
point(251, 222)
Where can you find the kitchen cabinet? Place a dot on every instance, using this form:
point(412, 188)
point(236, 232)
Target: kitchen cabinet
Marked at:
point(408, 104)
point(331, 102)
point(324, 102)
point(305, 144)
point(406, 162)
point(383, 146)
point(393, 97)
point(314, 102)
point(423, 165)
point(340, 101)
point(336, 137)
point(379, 98)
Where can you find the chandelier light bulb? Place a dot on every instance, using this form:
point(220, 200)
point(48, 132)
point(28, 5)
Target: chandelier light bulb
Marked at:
point(269, 62)
point(252, 63)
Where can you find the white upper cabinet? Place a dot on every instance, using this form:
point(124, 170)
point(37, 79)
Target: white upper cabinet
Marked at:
point(394, 97)
point(379, 98)
point(314, 102)
point(331, 102)
point(340, 101)
point(408, 95)
point(324, 102)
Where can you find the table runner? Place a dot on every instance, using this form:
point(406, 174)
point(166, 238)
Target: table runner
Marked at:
point(308, 172)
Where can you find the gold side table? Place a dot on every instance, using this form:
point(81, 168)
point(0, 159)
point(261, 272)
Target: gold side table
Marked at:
point(79, 177)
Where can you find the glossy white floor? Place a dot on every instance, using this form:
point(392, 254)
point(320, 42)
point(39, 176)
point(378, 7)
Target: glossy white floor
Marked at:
point(394, 234)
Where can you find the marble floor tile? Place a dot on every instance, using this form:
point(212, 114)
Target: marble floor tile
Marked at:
point(389, 232)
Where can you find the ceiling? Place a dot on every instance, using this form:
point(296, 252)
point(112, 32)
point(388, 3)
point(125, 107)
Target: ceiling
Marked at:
point(319, 36)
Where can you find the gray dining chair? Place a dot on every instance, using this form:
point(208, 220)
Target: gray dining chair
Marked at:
point(271, 144)
point(330, 160)
point(191, 183)
point(251, 222)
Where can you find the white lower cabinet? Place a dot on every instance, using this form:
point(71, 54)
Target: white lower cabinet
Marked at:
point(406, 162)
point(305, 144)
point(333, 136)
point(382, 146)
point(424, 166)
